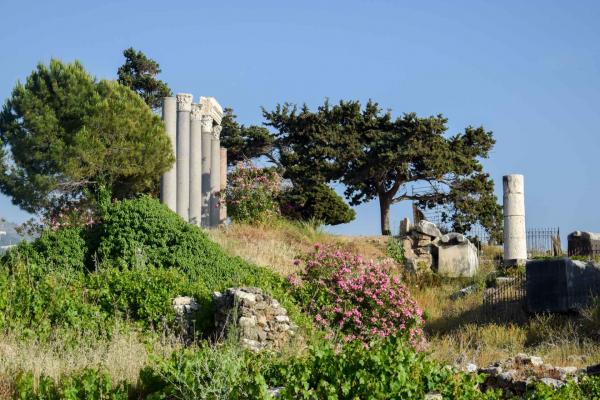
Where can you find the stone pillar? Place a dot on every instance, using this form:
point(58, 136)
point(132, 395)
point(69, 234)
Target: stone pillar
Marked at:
point(168, 184)
point(207, 122)
point(515, 236)
point(196, 165)
point(215, 175)
point(223, 186)
point(184, 107)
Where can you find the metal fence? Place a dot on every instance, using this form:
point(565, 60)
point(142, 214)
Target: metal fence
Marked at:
point(506, 300)
point(543, 242)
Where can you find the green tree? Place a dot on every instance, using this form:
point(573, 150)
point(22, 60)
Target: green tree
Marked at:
point(243, 142)
point(65, 135)
point(377, 156)
point(319, 203)
point(139, 74)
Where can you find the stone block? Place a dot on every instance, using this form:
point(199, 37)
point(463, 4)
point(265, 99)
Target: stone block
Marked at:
point(561, 284)
point(428, 228)
point(453, 238)
point(405, 226)
point(583, 244)
point(459, 260)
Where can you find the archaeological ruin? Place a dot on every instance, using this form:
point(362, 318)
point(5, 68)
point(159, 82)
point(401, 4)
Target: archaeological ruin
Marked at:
point(193, 185)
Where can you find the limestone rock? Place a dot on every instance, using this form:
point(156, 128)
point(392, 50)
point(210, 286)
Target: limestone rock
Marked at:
point(458, 260)
point(262, 321)
point(428, 228)
point(186, 309)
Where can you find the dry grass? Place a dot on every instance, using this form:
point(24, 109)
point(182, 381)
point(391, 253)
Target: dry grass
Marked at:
point(122, 356)
point(277, 243)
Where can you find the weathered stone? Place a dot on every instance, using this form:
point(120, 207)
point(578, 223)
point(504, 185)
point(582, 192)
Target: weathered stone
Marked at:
point(428, 228)
point(583, 243)
point(515, 241)
point(263, 322)
point(453, 238)
point(457, 260)
point(168, 191)
point(405, 226)
point(464, 292)
point(561, 285)
point(433, 396)
point(524, 359)
point(554, 383)
point(186, 310)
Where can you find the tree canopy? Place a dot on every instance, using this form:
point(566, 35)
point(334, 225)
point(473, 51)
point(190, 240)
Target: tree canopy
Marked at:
point(64, 135)
point(243, 142)
point(139, 73)
point(376, 156)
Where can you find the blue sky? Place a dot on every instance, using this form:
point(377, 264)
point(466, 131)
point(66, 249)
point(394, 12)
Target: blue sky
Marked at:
point(528, 71)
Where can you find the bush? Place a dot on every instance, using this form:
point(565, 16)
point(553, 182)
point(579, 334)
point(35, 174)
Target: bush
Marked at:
point(388, 369)
point(131, 264)
point(225, 372)
point(252, 193)
point(395, 250)
point(89, 384)
point(320, 203)
point(358, 297)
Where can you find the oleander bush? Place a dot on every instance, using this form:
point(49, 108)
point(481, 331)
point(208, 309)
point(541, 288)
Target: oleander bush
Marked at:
point(359, 298)
point(252, 193)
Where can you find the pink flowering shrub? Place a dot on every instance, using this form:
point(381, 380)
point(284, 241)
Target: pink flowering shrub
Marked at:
point(252, 192)
point(357, 298)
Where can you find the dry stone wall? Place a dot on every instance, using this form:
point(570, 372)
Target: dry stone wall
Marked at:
point(258, 320)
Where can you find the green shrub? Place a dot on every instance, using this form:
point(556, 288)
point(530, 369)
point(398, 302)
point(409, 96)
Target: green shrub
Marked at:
point(143, 294)
point(88, 384)
point(388, 369)
point(395, 250)
point(224, 372)
point(34, 299)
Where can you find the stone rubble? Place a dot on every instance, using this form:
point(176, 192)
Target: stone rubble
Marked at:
point(186, 310)
point(427, 250)
point(515, 374)
point(258, 320)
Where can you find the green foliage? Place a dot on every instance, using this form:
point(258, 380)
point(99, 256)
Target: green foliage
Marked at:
point(395, 250)
point(89, 384)
point(387, 369)
point(60, 131)
point(243, 142)
point(319, 202)
point(226, 372)
point(587, 389)
point(252, 193)
point(377, 156)
point(139, 74)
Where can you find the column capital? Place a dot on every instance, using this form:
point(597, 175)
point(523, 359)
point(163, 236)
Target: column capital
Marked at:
point(210, 106)
point(196, 114)
point(184, 101)
point(207, 122)
point(216, 131)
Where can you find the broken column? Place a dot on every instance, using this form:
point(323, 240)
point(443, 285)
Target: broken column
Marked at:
point(184, 107)
point(215, 176)
point(515, 237)
point(223, 186)
point(168, 186)
point(196, 165)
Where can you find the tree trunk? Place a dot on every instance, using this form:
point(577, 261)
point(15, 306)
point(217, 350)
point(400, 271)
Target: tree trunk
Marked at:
point(384, 210)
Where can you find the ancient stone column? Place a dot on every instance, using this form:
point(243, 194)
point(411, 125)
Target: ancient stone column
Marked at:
point(184, 107)
point(215, 176)
point(196, 165)
point(223, 186)
point(168, 184)
point(207, 123)
point(515, 236)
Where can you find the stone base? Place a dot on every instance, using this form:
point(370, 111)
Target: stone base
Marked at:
point(458, 260)
point(561, 285)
